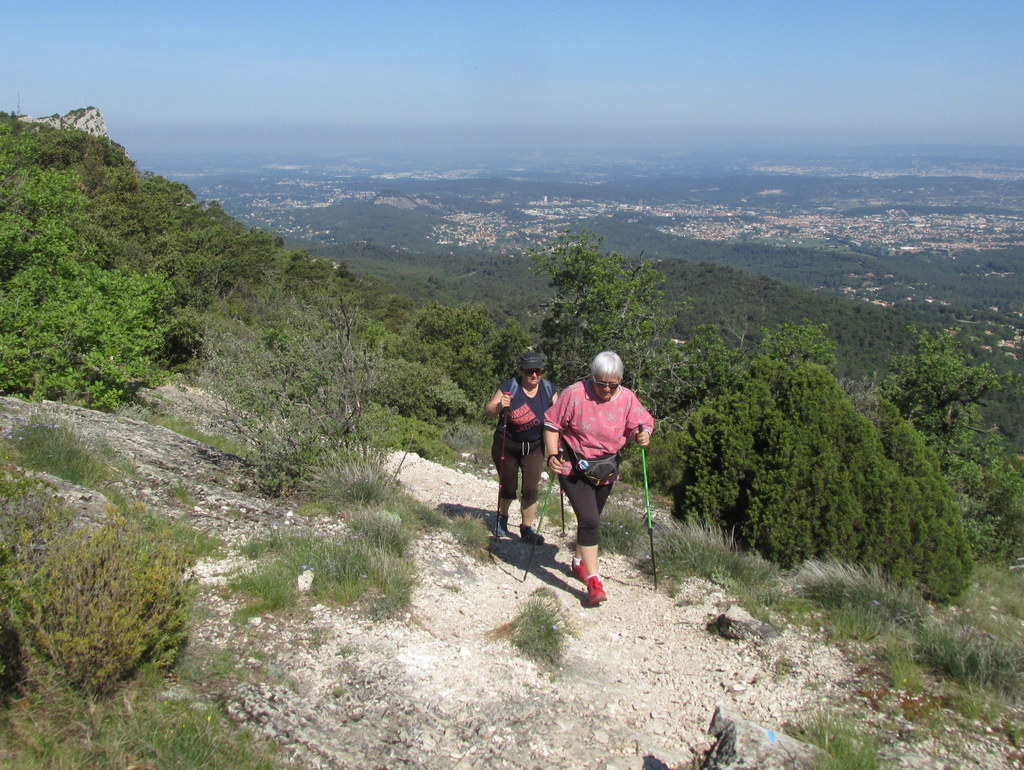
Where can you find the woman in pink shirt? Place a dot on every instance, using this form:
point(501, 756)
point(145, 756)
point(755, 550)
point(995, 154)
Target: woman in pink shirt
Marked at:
point(583, 435)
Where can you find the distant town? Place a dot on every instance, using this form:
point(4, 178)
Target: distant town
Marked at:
point(935, 206)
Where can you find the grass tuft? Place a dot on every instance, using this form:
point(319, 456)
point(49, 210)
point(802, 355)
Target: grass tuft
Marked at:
point(861, 603)
point(697, 549)
point(61, 729)
point(344, 481)
point(846, 744)
point(623, 531)
point(369, 563)
point(43, 444)
point(972, 658)
point(540, 630)
point(471, 533)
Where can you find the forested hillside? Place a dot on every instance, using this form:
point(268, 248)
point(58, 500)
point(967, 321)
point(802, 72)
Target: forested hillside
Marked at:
point(114, 280)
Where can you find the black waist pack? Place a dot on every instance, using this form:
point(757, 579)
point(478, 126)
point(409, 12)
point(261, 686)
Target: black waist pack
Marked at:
point(599, 470)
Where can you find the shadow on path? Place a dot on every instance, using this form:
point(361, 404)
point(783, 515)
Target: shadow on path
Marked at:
point(514, 556)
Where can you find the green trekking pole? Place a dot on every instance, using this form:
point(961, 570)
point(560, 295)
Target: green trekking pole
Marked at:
point(540, 523)
point(650, 524)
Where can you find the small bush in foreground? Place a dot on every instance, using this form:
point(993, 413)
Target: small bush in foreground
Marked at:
point(540, 631)
point(99, 603)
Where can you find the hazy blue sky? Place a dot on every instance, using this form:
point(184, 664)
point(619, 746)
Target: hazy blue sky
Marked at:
point(330, 75)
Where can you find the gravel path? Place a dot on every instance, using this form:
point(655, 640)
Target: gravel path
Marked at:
point(639, 683)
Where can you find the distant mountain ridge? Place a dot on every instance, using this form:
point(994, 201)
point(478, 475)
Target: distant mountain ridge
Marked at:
point(88, 119)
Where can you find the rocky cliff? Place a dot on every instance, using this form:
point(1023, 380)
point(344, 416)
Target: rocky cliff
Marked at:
point(88, 119)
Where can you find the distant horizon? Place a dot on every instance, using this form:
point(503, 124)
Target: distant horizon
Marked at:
point(339, 77)
point(326, 141)
point(609, 161)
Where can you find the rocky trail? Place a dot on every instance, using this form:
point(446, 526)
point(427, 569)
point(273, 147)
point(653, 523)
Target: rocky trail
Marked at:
point(436, 687)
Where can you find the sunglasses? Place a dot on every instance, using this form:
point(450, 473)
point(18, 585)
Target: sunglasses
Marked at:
point(609, 385)
point(533, 371)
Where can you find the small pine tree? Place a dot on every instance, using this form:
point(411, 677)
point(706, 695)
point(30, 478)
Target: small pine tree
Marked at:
point(787, 462)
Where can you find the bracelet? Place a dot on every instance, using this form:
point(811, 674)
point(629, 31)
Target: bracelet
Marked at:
point(554, 455)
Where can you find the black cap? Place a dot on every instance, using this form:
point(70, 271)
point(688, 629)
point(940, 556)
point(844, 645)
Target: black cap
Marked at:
point(531, 360)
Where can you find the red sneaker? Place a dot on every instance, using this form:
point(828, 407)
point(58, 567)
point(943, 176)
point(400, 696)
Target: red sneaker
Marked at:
point(579, 572)
point(595, 591)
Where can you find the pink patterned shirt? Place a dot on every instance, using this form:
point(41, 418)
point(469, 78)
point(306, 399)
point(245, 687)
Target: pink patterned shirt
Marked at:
point(593, 428)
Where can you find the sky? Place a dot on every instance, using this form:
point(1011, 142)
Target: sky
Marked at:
point(331, 76)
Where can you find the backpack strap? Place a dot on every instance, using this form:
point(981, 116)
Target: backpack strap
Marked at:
point(510, 386)
point(549, 389)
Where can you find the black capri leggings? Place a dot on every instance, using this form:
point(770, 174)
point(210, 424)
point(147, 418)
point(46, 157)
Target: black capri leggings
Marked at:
point(528, 457)
point(587, 503)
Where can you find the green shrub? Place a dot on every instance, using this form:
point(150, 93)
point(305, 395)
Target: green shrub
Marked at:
point(99, 603)
point(302, 374)
point(421, 392)
point(991, 497)
point(85, 333)
point(787, 463)
point(407, 434)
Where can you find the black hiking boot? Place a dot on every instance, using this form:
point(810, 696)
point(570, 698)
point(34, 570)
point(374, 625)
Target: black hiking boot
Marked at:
point(501, 528)
point(529, 536)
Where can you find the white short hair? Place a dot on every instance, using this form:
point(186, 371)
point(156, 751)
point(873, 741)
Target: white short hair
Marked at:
point(606, 364)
